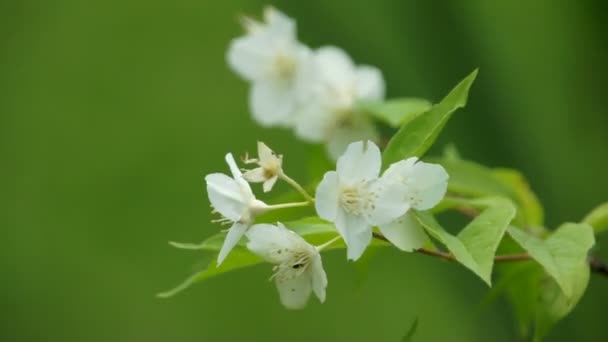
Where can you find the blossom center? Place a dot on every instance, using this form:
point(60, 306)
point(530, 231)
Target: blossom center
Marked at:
point(357, 199)
point(284, 66)
point(293, 267)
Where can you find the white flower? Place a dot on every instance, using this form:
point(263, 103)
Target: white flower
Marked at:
point(425, 185)
point(269, 170)
point(270, 57)
point(234, 200)
point(298, 267)
point(330, 86)
point(356, 200)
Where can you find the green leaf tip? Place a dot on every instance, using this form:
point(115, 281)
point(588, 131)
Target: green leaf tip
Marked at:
point(598, 218)
point(415, 137)
point(561, 254)
point(476, 244)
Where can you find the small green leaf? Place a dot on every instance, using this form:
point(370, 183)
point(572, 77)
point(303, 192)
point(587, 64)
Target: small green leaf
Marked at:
point(471, 179)
point(417, 136)
point(237, 259)
point(409, 336)
point(554, 304)
point(598, 218)
point(397, 112)
point(561, 254)
point(315, 230)
point(468, 178)
point(475, 246)
point(521, 284)
point(531, 210)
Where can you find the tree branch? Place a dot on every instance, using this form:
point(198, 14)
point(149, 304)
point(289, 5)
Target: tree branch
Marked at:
point(595, 264)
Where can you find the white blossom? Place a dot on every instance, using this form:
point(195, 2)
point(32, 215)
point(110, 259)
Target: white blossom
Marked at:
point(331, 85)
point(298, 269)
point(270, 57)
point(355, 199)
point(233, 199)
point(425, 186)
point(269, 167)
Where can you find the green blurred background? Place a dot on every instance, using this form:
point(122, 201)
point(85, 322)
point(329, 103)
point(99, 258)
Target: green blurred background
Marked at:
point(113, 111)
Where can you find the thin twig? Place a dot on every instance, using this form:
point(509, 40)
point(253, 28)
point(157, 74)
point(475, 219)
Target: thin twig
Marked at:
point(595, 264)
point(598, 266)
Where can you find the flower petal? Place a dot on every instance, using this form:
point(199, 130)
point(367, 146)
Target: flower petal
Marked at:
point(335, 66)
point(238, 177)
point(225, 196)
point(250, 56)
point(428, 185)
point(405, 233)
point(400, 171)
point(256, 175)
point(370, 83)
point(268, 184)
point(319, 277)
point(264, 152)
point(272, 103)
point(235, 233)
point(294, 292)
point(355, 231)
point(279, 24)
point(327, 196)
point(273, 243)
point(360, 162)
point(313, 122)
point(390, 202)
point(362, 129)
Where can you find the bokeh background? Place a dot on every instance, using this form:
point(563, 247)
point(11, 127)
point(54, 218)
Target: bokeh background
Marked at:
point(112, 112)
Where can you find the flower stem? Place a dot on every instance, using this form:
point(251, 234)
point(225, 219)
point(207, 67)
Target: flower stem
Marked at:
point(328, 243)
point(288, 205)
point(297, 186)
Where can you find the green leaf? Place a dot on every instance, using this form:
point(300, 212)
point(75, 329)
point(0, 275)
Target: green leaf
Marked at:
point(397, 112)
point(238, 258)
point(475, 246)
point(315, 230)
point(468, 178)
point(417, 136)
point(531, 210)
point(409, 336)
point(555, 305)
point(521, 284)
point(561, 254)
point(598, 218)
point(471, 179)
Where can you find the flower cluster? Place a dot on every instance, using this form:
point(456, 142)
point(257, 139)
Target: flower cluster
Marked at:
point(314, 92)
point(355, 197)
